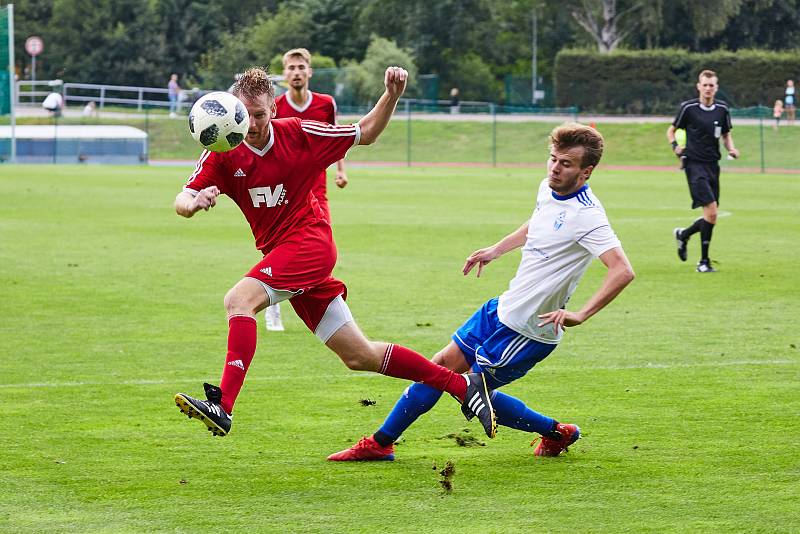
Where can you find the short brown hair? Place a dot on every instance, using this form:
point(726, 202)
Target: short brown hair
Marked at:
point(708, 74)
point(572, 134)
point(253, 83)
point(297, 52)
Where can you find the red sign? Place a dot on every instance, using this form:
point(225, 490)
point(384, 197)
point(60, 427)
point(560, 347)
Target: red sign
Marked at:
point(34, 45)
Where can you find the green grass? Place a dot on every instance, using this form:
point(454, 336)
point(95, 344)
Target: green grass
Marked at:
point(686, 387)
point(516, 143)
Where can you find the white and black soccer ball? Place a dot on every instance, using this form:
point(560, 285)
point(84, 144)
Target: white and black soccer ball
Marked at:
point(219, 121)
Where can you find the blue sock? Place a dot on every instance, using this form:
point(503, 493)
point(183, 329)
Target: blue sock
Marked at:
point(513, 413)
point(415, 401)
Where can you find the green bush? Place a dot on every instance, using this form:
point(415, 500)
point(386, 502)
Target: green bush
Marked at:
point(657, 81)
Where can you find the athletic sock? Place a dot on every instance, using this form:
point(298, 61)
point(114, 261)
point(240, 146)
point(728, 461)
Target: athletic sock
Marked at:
point(242, 335)
point(695, 227)
point(705, 238)
point(513, 413)
point(402, 362)
point(415, 401)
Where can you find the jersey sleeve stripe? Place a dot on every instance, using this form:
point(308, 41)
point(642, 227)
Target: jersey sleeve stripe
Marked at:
point(312, 127)
point(592, 230)
point(199, 166)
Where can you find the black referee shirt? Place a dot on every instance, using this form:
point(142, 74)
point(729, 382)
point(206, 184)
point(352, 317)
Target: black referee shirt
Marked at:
point(704, 126)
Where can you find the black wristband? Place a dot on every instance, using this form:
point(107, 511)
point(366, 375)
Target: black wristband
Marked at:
point(674, 145)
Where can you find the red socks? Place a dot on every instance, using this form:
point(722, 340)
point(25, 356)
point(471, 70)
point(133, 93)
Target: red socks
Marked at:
point(402, 362)
point(241, 348)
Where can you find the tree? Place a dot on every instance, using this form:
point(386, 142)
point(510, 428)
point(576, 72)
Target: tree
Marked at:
point(603, 20)
point(366, 77)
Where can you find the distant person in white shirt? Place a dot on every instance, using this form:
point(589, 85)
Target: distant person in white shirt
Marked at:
point(511, 333)
point(90, 109)
point(53, 103)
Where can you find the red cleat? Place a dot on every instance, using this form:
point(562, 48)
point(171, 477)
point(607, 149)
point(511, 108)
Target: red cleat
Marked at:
point(562, 437)
point(366, 450)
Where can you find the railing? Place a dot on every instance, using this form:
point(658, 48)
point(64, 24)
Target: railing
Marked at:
point(102, 95)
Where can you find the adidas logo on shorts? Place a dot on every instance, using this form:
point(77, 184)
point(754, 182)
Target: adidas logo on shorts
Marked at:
point(239, 173)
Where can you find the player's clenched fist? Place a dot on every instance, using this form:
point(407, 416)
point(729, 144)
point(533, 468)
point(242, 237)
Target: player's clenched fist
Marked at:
point(395, 80)
point(206, 198)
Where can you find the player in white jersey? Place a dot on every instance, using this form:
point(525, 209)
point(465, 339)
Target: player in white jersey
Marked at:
point(510, 334)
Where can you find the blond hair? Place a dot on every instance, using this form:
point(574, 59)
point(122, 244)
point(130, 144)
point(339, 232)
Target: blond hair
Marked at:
point(707, 74)
point(572, 134)
point(253, 83)
point(302, 53)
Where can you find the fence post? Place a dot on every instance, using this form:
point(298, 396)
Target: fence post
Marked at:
point(139, 107)
point(408, 133)
point(761, 136)
point(493, 111)
point(102, 97)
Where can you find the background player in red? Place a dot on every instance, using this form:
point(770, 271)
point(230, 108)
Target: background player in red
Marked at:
point(270, 177)
point(302, 103)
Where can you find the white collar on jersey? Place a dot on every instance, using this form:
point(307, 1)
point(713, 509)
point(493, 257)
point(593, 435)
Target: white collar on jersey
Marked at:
point(297, 108)
point(269, 143)
point(707, 108)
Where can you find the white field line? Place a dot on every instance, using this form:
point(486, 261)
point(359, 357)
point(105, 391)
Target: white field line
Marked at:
point(143, 382)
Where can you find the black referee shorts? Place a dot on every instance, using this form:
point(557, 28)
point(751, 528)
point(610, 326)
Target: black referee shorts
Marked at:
point(703, 179)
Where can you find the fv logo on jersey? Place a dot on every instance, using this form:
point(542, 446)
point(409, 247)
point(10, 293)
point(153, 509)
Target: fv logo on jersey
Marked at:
point(265, 195)
point(559, 222)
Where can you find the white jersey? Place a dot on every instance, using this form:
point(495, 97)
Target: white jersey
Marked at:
point(564, 234)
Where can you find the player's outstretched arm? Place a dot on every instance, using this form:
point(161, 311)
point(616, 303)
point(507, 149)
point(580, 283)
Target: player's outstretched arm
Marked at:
point(483, 256)
point(374, 122)
point(620, 274)
point(187, 205)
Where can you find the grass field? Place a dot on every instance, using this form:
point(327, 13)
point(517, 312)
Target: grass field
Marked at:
point(472, 141)
point(686, 387)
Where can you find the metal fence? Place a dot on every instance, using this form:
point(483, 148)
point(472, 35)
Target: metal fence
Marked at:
point(423, 131)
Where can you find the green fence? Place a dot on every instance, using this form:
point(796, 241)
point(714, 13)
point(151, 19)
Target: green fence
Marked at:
point(425, 132)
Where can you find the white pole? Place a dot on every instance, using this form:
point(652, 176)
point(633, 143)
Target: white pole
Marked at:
point(533, 54)
point(11, 83)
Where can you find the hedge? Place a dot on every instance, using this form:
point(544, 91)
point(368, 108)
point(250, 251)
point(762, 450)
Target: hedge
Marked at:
point(657, 81)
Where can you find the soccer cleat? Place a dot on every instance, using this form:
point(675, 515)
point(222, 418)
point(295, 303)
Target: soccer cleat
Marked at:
point(272, 315)
point(681, 243)
point(477, 403)
point(208, 411)
point(557, 441)
point(366, 450)
point(704, 266)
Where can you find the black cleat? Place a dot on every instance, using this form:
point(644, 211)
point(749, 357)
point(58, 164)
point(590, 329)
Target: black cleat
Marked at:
point(681, 243)
point(704, 266)
point(477, 403)
point(208, 411)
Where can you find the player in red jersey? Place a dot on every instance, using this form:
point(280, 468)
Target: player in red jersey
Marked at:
point(270, 177)
point(304, 104)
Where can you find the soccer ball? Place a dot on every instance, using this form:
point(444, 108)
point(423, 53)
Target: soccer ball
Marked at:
point(219, 121)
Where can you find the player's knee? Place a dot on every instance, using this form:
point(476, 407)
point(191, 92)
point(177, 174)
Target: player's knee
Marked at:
point(365, 357)
point(237, 302)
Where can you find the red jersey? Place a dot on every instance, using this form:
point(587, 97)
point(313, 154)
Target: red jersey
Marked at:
point(319, 107)
point(273, 186)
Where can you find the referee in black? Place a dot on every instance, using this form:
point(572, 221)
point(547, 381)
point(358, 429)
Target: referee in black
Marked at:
point(705, 121)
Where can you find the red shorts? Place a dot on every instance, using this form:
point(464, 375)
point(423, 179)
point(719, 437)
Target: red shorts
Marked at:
point(302, 264)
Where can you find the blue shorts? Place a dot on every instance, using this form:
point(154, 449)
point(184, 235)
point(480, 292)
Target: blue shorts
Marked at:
point(493, 348)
